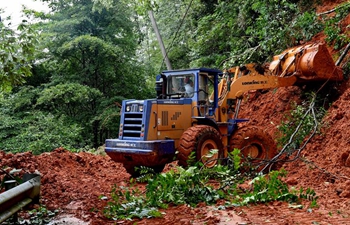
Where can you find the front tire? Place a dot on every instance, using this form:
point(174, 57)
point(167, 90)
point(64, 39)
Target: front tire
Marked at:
point(256, 146)
point(200, 139)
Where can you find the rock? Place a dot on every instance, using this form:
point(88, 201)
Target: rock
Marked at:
point(343, 158)
point(347, 162)
point(292, 181)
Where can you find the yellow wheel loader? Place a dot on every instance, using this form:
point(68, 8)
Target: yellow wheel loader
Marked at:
point(196, 110)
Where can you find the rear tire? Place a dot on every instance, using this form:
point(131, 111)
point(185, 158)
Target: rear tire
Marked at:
point(256, 146)
point(200, 139)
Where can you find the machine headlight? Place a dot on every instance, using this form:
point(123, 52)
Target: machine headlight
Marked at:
point(128, 108)
point(141, 108)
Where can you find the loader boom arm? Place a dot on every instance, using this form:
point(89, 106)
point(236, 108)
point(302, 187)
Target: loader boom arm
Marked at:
point(237, 82)
point(255, 81)
point(301, 64)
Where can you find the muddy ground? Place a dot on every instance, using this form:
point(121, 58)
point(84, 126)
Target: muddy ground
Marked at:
point(73, 182)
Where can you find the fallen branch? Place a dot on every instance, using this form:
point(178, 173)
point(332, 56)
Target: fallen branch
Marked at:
point(338, 176)
point(341, 58)
point(252, 50)
point(279, 157)
point(332, 10)
point(327, 12)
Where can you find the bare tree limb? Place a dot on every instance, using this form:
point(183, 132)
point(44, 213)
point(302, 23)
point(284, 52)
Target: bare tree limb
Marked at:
point(338, 176)
point(332, 10)
point(341, 58)
point(327, 12)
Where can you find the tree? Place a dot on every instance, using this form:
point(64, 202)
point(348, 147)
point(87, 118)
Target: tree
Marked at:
point(219, 34)
point(94, 47)
point(17, 48)
point(78, 103)
point(24, 127)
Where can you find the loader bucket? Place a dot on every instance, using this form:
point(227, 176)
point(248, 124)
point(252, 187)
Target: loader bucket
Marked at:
point(311, 62)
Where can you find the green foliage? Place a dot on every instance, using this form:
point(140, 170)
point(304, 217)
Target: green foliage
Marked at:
point(143, 6)
point(109, 116)
point(192, 158)
point(194, 185)
point(289, 125)
point(39, 132)
point(93, 53)
point(25, 128)
point(97, 57)
point(227, 33)
point(306, 26)
point(41, 215)
point(128, 203)
point(333, 29)
point(268, 188)
point(70, 99)
point(297, 125)
point(85, 63)
point(17, 48)
point(234, 157)
point(310, 195)
point(146, 173)
point(250, 31)
point(184, 186)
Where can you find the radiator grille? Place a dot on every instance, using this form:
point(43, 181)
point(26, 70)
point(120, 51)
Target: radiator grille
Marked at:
point(132, 125)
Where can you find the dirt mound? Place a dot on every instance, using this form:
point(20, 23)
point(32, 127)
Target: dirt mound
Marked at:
point(267, 109)
point(74, 183)
point(326, 157)
point(70, 182)
point(324, 164)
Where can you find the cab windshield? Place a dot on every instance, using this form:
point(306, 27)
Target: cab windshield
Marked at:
point(181, 85)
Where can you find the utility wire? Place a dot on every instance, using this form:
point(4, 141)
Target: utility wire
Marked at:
point(176, 33)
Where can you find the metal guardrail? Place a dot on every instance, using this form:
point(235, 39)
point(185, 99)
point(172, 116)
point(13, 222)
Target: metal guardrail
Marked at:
point(19, 196)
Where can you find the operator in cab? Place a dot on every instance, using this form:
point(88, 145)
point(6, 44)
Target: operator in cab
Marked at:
point(189, 87)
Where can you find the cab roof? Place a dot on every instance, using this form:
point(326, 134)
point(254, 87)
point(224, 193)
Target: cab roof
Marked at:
point(201, 69)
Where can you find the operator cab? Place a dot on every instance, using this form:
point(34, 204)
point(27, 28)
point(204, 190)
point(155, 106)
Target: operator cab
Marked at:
point(193, 84)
